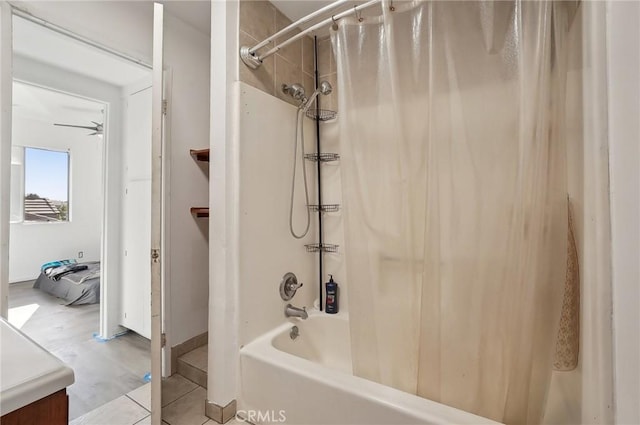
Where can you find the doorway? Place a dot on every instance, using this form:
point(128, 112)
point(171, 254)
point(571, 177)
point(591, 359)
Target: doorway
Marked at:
point(98, 152)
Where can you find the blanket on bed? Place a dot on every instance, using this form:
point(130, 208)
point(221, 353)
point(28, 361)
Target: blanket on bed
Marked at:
point(75, 283)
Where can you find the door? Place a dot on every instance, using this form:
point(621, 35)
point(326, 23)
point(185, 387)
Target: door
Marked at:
point(136, 219)
point(6, 81)
point(156, 258)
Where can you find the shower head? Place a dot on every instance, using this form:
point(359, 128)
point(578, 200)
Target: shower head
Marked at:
point(294, 90)
point(324, 88)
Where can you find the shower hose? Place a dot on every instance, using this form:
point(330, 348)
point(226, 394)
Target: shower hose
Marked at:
point(299, 131)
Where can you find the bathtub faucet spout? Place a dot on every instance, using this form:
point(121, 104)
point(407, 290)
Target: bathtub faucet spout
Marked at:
point(291, 311)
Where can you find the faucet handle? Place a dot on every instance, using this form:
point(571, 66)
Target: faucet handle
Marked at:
point(288, 286)
point(294, 285)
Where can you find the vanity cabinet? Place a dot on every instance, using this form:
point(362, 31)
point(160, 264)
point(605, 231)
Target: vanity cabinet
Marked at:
point(33, 381)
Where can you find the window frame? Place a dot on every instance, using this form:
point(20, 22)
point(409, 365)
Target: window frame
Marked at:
point(24, 188)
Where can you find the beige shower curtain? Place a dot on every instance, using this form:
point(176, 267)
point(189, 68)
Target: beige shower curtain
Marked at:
point(454, 195)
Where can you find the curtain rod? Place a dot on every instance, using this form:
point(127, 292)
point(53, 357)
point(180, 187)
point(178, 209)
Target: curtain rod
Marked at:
point(253, 61)
point(296, 24)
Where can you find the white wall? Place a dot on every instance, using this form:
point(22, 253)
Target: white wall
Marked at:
point(224, 199)
point(124, 25)
point(186, 53)
point(267, 249)
point(623, 43)
point(34, 243)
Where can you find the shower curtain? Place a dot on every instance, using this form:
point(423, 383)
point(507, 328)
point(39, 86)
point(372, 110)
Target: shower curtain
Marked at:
point(454, 189)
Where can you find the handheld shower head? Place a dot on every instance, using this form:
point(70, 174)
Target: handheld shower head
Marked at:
point(324, 89)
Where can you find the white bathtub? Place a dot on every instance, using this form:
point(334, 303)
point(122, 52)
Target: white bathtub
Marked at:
point(309, 380)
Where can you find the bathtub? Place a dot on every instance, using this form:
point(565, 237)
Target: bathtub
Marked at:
point(309, 380)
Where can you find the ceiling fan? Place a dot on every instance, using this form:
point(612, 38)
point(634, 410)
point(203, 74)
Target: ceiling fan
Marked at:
point(97, 128)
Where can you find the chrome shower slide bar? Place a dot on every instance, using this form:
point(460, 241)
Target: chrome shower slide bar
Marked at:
point(253, 61)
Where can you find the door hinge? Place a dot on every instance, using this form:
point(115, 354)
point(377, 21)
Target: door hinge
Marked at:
point(163, 339)
point(155, 255)
point(165, 106)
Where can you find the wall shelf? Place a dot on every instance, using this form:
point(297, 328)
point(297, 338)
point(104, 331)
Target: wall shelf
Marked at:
point(200, 212)
point(324, 247)
point(321, 114)
point(322, 157)
point(324, 207)
point(200, 154)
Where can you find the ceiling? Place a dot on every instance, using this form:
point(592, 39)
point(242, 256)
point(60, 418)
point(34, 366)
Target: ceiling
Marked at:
point(50, 106)
point(44, 45)
point(296, 9)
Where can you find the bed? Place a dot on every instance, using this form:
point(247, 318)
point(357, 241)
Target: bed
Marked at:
point(76, 286)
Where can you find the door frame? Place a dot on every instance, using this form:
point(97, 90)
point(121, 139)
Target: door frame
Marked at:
point(6, 101)
point(158, 111)
point(7, 11)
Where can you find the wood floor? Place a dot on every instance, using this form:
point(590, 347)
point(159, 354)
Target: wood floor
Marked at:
point(103, 371)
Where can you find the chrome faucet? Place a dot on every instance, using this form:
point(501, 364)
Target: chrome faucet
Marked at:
point(291, 311)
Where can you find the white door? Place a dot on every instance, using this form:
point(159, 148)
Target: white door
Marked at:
point(136, 220)
point(157, 120)
point(6, 80)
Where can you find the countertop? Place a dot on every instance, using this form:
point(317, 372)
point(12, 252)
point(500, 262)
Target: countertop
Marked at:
point(28, 372)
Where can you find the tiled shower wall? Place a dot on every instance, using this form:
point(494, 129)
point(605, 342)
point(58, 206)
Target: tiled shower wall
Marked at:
point(327, 71)
point(260, 19)
point(293, 64)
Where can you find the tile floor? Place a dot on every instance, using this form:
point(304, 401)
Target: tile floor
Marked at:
point(193, 365)
point(182, 404)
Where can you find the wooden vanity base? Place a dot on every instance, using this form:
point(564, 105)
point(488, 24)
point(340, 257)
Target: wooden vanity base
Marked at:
point(51, 410)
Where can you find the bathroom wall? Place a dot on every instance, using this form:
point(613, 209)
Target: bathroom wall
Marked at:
point(293, 64)
point(125, 27)
point(623, 43)
point(186, 55)
point(267, 249)
point(327, 70)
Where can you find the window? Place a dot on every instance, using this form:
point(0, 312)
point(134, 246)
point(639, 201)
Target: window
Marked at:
point(46, 185)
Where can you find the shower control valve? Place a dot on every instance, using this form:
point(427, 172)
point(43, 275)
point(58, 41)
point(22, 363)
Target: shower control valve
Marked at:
point(288, 286)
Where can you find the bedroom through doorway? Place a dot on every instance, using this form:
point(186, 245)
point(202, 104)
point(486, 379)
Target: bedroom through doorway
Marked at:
point(80, 211)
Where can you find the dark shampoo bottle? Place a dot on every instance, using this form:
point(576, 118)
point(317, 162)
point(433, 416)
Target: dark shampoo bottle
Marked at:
point(331, 303)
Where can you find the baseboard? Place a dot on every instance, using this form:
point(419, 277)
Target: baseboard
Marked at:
point(189, 345)
point(218, 413)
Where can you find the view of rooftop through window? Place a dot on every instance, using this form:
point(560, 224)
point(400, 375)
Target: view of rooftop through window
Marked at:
point(46, 184)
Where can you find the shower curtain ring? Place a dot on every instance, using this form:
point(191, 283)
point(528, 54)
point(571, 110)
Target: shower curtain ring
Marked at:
point(357, 15)
point(335, 24)
point(391, 6)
